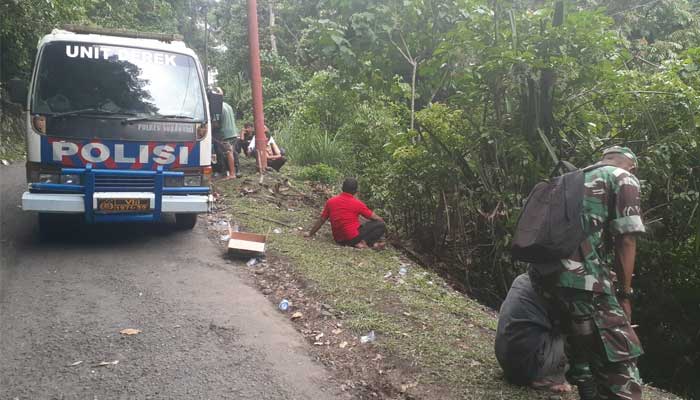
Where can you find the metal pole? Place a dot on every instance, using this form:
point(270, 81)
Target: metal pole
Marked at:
point(256, 86)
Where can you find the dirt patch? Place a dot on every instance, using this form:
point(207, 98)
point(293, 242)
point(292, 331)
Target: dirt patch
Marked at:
point(360, 367)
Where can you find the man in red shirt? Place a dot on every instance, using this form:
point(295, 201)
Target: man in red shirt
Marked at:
point(343, 211)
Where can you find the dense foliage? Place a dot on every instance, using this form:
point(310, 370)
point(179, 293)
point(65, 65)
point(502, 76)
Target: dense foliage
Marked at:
point(450, 110)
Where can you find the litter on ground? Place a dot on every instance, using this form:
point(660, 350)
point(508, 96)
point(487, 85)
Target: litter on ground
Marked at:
point(370, 337)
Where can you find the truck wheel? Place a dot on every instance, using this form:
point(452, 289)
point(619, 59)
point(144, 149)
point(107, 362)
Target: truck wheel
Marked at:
point(185, 221)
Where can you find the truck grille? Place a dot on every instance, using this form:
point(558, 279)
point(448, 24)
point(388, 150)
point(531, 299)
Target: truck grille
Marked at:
point(123, 183)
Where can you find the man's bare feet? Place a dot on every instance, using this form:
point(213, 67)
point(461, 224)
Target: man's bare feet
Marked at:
point(561, 388)
point(379, 245)
point(361, 245)
point(551, 385)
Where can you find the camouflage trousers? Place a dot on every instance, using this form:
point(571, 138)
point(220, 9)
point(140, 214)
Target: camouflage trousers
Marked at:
point(612, 359)
point(611, 356)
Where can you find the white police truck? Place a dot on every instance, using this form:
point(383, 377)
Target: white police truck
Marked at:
point(117, 128)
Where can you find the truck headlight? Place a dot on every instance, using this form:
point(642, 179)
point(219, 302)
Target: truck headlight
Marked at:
point(193, 180)
point(49, 178)
point(206, 175)
point(73, 179)
point(173, 181)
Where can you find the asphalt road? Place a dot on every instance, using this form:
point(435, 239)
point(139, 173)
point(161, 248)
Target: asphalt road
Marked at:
point(205, 334)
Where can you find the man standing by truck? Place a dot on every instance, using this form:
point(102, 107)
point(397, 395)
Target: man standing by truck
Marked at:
point(224, 137)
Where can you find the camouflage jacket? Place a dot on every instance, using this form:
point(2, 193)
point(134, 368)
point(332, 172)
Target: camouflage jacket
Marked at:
point(608, 190)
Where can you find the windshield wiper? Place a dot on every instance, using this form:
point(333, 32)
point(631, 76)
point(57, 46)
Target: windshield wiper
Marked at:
point(89, 111)
point(158, 118)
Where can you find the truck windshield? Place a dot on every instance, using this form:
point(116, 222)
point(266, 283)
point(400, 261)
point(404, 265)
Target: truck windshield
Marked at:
point(99, 81)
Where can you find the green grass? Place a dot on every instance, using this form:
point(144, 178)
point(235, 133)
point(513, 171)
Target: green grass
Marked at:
point(441, 337)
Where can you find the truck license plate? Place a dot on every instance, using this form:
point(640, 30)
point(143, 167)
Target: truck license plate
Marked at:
point(123, 205)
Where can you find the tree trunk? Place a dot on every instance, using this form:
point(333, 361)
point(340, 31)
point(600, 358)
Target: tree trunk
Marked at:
point(273, 39)
point(546, 117)
point(413, 92)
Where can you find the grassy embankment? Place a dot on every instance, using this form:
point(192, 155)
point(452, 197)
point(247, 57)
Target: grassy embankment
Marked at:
point(439, 340)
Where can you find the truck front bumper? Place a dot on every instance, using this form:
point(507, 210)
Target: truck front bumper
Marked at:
point(112, 186)
point(75, 203)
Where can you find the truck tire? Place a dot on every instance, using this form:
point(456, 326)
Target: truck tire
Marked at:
point(185, 221)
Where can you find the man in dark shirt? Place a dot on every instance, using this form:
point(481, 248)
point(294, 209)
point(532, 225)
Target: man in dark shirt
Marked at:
point(244, 137)
point(343, 210)
point(528, 346)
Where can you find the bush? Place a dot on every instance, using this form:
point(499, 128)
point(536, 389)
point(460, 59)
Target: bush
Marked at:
point(320, 173)
point(11, 132)
point(310, 145)
point(339, 124)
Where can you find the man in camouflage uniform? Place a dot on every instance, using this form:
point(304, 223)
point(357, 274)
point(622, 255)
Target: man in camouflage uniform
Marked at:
point(594, 289)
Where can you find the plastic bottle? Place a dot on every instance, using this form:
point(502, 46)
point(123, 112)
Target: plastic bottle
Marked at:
point(370, 337)
point(284, 305)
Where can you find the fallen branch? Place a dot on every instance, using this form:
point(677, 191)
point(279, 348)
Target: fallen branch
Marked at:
point(299, 192)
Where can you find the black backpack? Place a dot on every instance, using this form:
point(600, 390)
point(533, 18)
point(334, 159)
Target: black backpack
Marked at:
point(549, 227)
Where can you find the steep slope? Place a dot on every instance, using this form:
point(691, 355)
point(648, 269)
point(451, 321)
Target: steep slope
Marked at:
point(432, 342)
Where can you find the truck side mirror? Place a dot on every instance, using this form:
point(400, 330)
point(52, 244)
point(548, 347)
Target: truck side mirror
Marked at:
point(216, 105)
point(17, 89)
